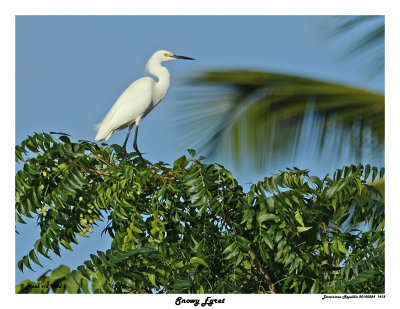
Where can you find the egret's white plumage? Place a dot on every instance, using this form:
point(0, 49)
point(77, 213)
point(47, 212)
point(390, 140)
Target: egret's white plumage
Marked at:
point(138, 99)
point(132, 104)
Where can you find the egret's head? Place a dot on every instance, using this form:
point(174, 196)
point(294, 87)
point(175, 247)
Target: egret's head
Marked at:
point(164, 55)
point(161, 56)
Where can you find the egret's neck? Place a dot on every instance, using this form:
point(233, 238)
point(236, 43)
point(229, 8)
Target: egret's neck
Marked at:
point(162, 85)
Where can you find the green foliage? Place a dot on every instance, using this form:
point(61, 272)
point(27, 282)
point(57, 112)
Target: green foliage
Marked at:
point(190, 228)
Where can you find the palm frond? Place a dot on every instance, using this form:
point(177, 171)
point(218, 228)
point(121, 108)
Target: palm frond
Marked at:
point(268, 117)
point(369, 47)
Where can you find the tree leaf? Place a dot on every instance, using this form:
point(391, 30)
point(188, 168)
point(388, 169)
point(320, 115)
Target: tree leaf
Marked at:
point(266, 217)
point(299, 218)
point(301, 229)
point(364, 277)
point(315, 287)
point(59, 273)
point(197, 260)
point(248, 216)
point(34, 257)
point(268, 240)
point(71, 285)
point(229, 248)
point(342, 248)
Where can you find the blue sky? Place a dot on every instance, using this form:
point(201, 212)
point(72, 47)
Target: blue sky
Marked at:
point(71, 69)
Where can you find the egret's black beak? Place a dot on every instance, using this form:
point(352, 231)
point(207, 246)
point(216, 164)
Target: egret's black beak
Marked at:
point(182, 57)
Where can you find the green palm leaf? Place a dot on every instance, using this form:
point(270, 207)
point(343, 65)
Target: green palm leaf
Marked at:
point(269, 116)
point(370, 45)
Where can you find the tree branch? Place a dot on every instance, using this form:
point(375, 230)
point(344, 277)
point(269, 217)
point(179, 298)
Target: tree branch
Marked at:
point(106, 162)
point(89, 169)
point(325, 228)
point(266, 278)
point(263, 272)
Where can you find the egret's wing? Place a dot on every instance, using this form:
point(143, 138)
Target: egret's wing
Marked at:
point(132, 103)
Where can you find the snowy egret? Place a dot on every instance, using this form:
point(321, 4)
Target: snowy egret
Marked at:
point(138, 100)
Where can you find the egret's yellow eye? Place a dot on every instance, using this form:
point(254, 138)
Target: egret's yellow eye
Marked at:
point(168, 55)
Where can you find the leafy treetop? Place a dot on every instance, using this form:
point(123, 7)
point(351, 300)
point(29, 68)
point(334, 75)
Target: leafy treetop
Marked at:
point(190, 228)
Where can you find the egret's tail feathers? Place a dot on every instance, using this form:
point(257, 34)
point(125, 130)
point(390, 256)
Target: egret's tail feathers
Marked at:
point(102, 133)
point(103, 136)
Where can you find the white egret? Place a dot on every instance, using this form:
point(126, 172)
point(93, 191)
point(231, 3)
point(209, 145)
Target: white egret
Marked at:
point(138, 100)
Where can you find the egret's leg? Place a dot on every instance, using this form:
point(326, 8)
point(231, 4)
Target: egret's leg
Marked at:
point(126, 140)
point(136, 147)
